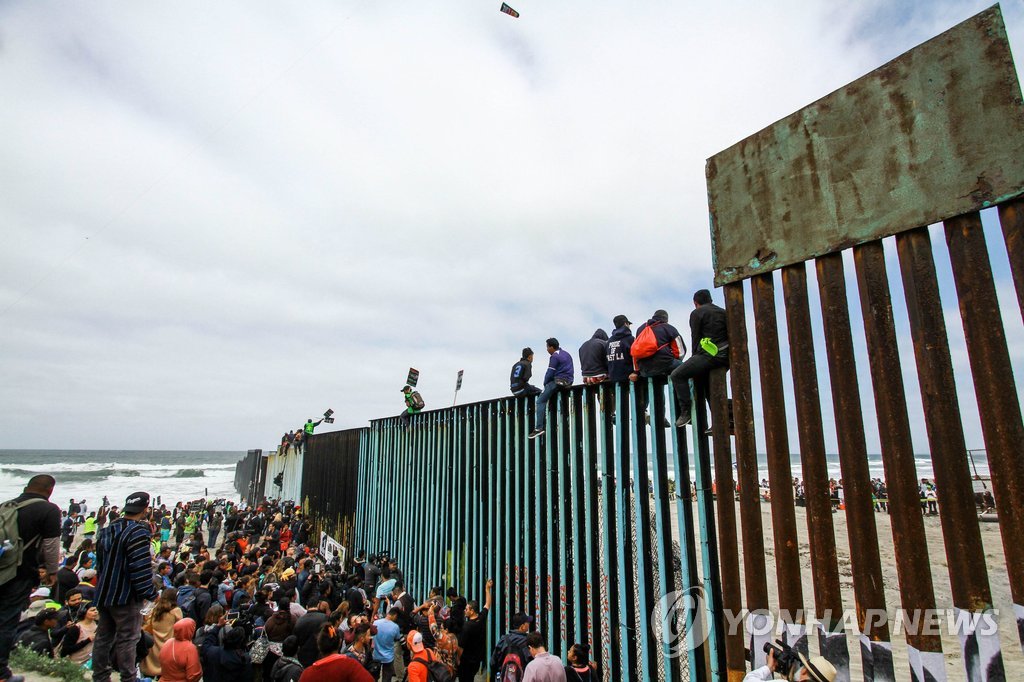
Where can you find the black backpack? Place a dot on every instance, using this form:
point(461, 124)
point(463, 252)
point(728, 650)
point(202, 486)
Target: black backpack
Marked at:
point(436, 670)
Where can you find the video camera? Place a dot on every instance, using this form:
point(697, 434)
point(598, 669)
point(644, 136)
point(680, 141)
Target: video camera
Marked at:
point(786, 659)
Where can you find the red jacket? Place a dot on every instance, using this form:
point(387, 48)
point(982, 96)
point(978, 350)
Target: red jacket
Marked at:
point(336, 668)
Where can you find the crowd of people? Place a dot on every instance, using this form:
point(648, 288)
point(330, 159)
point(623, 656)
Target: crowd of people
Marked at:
point(214, 591)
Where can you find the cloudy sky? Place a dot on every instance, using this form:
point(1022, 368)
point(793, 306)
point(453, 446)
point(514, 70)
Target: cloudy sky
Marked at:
point(219, 219)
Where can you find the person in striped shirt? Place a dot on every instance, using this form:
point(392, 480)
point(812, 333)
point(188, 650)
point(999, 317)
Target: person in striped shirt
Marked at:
point(125, 581)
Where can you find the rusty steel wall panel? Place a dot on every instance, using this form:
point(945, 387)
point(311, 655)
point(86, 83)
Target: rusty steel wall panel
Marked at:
point(935, 133)
point(780, 472)
point(1011, 217)
point(917, 593)
point(755, 579)
point(996, 390)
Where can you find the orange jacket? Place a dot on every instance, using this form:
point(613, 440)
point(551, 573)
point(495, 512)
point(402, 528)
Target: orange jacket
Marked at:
point(418, 673)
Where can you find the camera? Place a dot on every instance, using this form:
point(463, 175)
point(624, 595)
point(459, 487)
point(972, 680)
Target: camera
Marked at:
point(786, 659)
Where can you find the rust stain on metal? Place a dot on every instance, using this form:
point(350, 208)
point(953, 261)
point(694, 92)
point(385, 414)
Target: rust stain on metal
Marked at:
point(994, 385)
point(1011, 216)
point(824, 564)
point(853, 458)
point(917, 592)
point(780, 474)
point(728, 556)
point(907, 145)
point(754, 576)
point(964, 552)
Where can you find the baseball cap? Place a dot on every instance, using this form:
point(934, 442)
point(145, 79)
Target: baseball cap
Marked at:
point(136, 502)
point(415, 641)
point(519, 619)
point(620, 321)
point(406, 388)
point(40, 592)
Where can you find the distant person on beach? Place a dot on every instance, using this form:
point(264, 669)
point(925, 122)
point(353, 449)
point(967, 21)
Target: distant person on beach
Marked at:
point(216, 523)
point(522, 372)
point(67, 532)
point(709, 339)
point(559, 375)
point(125, 582)
point(38, 543)
point(89, 527)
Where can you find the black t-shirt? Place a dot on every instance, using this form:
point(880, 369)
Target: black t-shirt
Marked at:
point(457, 614)
point(473, 639)
point(37, 522)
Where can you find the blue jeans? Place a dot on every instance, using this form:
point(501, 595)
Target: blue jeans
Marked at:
point(13, 600)
point(542, 403)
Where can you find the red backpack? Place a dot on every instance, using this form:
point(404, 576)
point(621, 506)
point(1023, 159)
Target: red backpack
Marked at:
point(511, 668)
point(646, 343)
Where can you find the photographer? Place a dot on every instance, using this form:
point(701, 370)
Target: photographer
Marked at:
point(792, 665)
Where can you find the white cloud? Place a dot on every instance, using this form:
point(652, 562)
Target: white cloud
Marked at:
point(219, 220)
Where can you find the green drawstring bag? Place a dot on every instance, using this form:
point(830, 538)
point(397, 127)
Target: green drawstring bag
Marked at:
point(709, 347)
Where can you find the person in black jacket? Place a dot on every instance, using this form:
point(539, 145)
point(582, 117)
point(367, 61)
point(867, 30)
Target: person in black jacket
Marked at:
point(229, 662)
point(519, 380)
point(710, 347)
point(620, 362)
point(288, 668)
point(513, 642)
point(305, 632)
point(594, 358)
point(67, 579)
point(37, 638)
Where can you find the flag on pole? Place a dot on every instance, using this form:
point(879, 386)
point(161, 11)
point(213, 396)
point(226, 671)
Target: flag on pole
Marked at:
point(458, 382)
point(509, 11)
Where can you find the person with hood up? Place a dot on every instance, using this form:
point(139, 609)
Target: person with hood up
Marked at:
point(179, 658)
point(594, 358)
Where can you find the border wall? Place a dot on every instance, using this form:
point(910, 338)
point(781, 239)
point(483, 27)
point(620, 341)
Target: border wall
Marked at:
point(606, 531)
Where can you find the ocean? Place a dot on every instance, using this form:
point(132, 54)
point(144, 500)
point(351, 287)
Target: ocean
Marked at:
point(90, 474)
